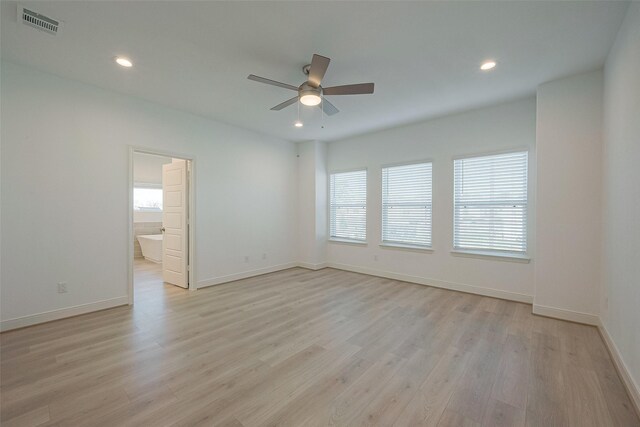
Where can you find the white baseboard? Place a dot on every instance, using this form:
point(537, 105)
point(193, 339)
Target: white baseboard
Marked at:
point(591, 319)
point(244, 275)
point(495, 293)
point(562, 314)
point(310, 266)
point(461, 287)
point(48, 316)
point(629, 383)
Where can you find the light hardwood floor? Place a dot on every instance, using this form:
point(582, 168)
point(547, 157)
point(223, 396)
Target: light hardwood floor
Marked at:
point(305, 348)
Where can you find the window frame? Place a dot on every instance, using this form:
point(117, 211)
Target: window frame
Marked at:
point(400, 245)
point(341, 240)
point(498, 254)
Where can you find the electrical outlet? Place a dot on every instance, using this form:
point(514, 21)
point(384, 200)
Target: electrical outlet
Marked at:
point(264, 256)
point(62, 287)
point(246, 259)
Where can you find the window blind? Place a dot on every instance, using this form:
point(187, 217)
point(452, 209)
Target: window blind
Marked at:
point(490, 203)
point(406, 204)
point(348, 205)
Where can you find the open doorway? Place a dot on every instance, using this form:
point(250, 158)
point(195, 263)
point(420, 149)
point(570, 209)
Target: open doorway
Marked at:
point(161, 224)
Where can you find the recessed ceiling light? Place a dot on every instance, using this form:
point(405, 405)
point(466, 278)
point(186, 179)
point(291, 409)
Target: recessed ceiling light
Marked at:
point(120, 60)
point(487, 65)
point(298, 124)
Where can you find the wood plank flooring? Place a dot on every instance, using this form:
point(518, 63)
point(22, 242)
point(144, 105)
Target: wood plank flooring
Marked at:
point(305, 348)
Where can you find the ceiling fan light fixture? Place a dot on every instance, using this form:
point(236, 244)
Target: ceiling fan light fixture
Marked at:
point(311, 91)
point(298, 124)
point(310, 99)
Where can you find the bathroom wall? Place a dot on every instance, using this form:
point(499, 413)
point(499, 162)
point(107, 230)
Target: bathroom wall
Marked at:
point(147, 168)
point(147, 171)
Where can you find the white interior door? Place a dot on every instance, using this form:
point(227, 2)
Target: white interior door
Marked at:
point(174, 223)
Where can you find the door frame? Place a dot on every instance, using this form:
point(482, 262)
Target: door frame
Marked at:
point(193, 283)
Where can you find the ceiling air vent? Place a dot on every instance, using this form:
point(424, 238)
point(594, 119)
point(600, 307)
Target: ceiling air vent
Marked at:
point(38, 21)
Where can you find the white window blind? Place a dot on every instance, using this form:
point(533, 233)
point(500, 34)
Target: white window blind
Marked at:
point(406, 204)
point(348, 205)
point(490, 203)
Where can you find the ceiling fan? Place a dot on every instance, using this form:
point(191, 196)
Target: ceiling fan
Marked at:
point(311, 92)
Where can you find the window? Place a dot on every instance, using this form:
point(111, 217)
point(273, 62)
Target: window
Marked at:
point(348, 205)
point(490, 203)
point(147, 199)
point(406, 205)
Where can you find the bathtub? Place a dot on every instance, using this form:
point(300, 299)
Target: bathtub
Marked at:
point(151, 245)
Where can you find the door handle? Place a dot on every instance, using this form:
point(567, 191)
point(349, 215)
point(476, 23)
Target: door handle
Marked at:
point(162, 229)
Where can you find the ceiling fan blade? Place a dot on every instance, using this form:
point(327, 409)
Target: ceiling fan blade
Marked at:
point(356, 89)
point(328, 108)
point(285, 104)
point(319, 65)
point(271, 82)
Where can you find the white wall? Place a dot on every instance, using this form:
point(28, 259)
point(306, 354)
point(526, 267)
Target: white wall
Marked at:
point(312, 203)
point(497, 128)
point(306, 201)
point(568, 152)
point(322, 208)
point(65, 171)
point(621, 196)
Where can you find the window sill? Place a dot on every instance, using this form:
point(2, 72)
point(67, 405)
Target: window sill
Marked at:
point(348, 242)
point(497, 256)
point(406, 247)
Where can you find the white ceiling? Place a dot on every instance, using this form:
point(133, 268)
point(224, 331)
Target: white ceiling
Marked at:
point(422, 56)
